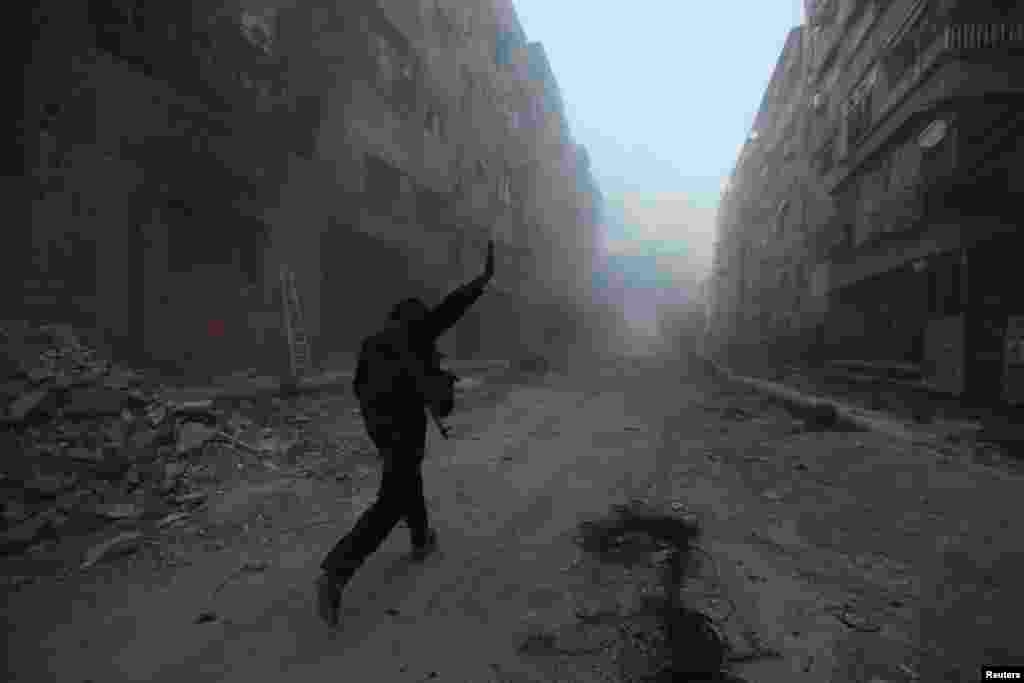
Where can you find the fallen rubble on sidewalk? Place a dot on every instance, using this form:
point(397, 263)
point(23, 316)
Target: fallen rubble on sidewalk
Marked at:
point(88, 446)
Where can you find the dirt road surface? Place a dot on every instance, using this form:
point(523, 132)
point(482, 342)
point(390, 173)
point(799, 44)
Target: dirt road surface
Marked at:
point(854, 557)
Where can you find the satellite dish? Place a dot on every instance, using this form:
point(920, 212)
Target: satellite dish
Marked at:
point(933, 134)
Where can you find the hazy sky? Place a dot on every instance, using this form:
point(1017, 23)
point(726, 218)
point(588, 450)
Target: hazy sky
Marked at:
point(662, 93)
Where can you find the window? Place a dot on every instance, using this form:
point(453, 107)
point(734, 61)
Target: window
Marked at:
point(386, 58)
point(434, 124)
point(468, 91)
point(396, 64)
point(780, 217)
point(429, 208)
point(505, 189)
point(827, 158)
point(383, 185)
point(858, 116)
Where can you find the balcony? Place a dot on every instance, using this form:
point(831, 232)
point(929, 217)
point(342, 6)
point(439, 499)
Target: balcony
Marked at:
point(928, 45)
point(969, 38)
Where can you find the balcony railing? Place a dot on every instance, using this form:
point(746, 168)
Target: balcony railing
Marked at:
point(970, 37)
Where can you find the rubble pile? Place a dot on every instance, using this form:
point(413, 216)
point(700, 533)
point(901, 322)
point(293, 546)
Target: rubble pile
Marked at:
point(89, 445)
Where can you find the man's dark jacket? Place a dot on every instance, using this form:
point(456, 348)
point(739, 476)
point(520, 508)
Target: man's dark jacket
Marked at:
point(390, 391)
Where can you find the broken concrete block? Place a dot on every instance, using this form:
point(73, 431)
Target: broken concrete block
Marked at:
point(85, 454)
point(120, 511)
point(144, 438)
point(24, 405)
point(124, 543)
point(21, 535)
point(51, 484)
point(193, 435)
point(14, 511)
point(97, 402)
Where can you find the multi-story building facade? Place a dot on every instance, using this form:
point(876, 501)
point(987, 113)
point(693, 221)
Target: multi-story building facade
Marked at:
point(181, 155)
point(913, 128)
point(759, 288)
point(924, 106)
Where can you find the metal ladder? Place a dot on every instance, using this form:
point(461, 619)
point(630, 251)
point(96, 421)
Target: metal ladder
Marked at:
point(295, 324)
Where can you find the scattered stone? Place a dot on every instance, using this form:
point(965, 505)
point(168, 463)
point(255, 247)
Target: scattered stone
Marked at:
point(173, 470)
point(206, 618)
point(193, 435)
point(254, 566)
point(193, 497)
point(122, 544)
point(14, 511)
point(50, 485)
point(661, 556)
point(26, 404)
point(97, 402)
point(24, 534)
point(172, 519)
point(157, 414)
point(852, 620)
point(120, 511)
point(85, 454)
point(144, 438)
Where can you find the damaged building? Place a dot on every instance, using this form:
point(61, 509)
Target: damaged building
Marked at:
point(178, 155)
point(911, 134)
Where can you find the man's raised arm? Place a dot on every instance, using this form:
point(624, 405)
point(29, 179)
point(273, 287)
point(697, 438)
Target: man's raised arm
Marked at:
point(455, 305)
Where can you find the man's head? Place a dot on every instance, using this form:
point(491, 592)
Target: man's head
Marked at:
point(408, 311)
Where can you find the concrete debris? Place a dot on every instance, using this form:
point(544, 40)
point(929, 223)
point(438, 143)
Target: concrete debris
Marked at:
point(21, 536)
point(85, 454)
point(192, 436)
point(172, 519)
point(120, 511)
point(123, 543)
point(77, 421)
point(22, 406)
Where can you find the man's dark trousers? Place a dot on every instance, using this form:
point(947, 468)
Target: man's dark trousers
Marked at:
point(401, 442)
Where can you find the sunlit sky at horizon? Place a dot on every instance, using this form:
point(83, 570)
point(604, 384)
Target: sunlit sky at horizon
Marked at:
point(662, 93)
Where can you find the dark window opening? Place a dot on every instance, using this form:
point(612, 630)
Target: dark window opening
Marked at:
point(933, 292)
point(827, 159)
point(953, 300)
point(435, 124)
point(780, 217)
point(859, 119)
point(383, 185)
point(429, 208)
point(119, 25)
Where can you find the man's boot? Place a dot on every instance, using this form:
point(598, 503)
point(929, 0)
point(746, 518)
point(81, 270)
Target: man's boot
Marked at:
point(328, 598)
point(424, 550)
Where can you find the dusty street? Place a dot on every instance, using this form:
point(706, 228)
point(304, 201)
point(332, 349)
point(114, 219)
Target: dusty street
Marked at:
point(852, 557)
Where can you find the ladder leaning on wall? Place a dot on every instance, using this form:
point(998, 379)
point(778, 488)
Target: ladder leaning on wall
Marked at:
point(294, 325)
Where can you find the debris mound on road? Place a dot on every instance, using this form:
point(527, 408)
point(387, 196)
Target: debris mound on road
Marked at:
point(88, 444)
